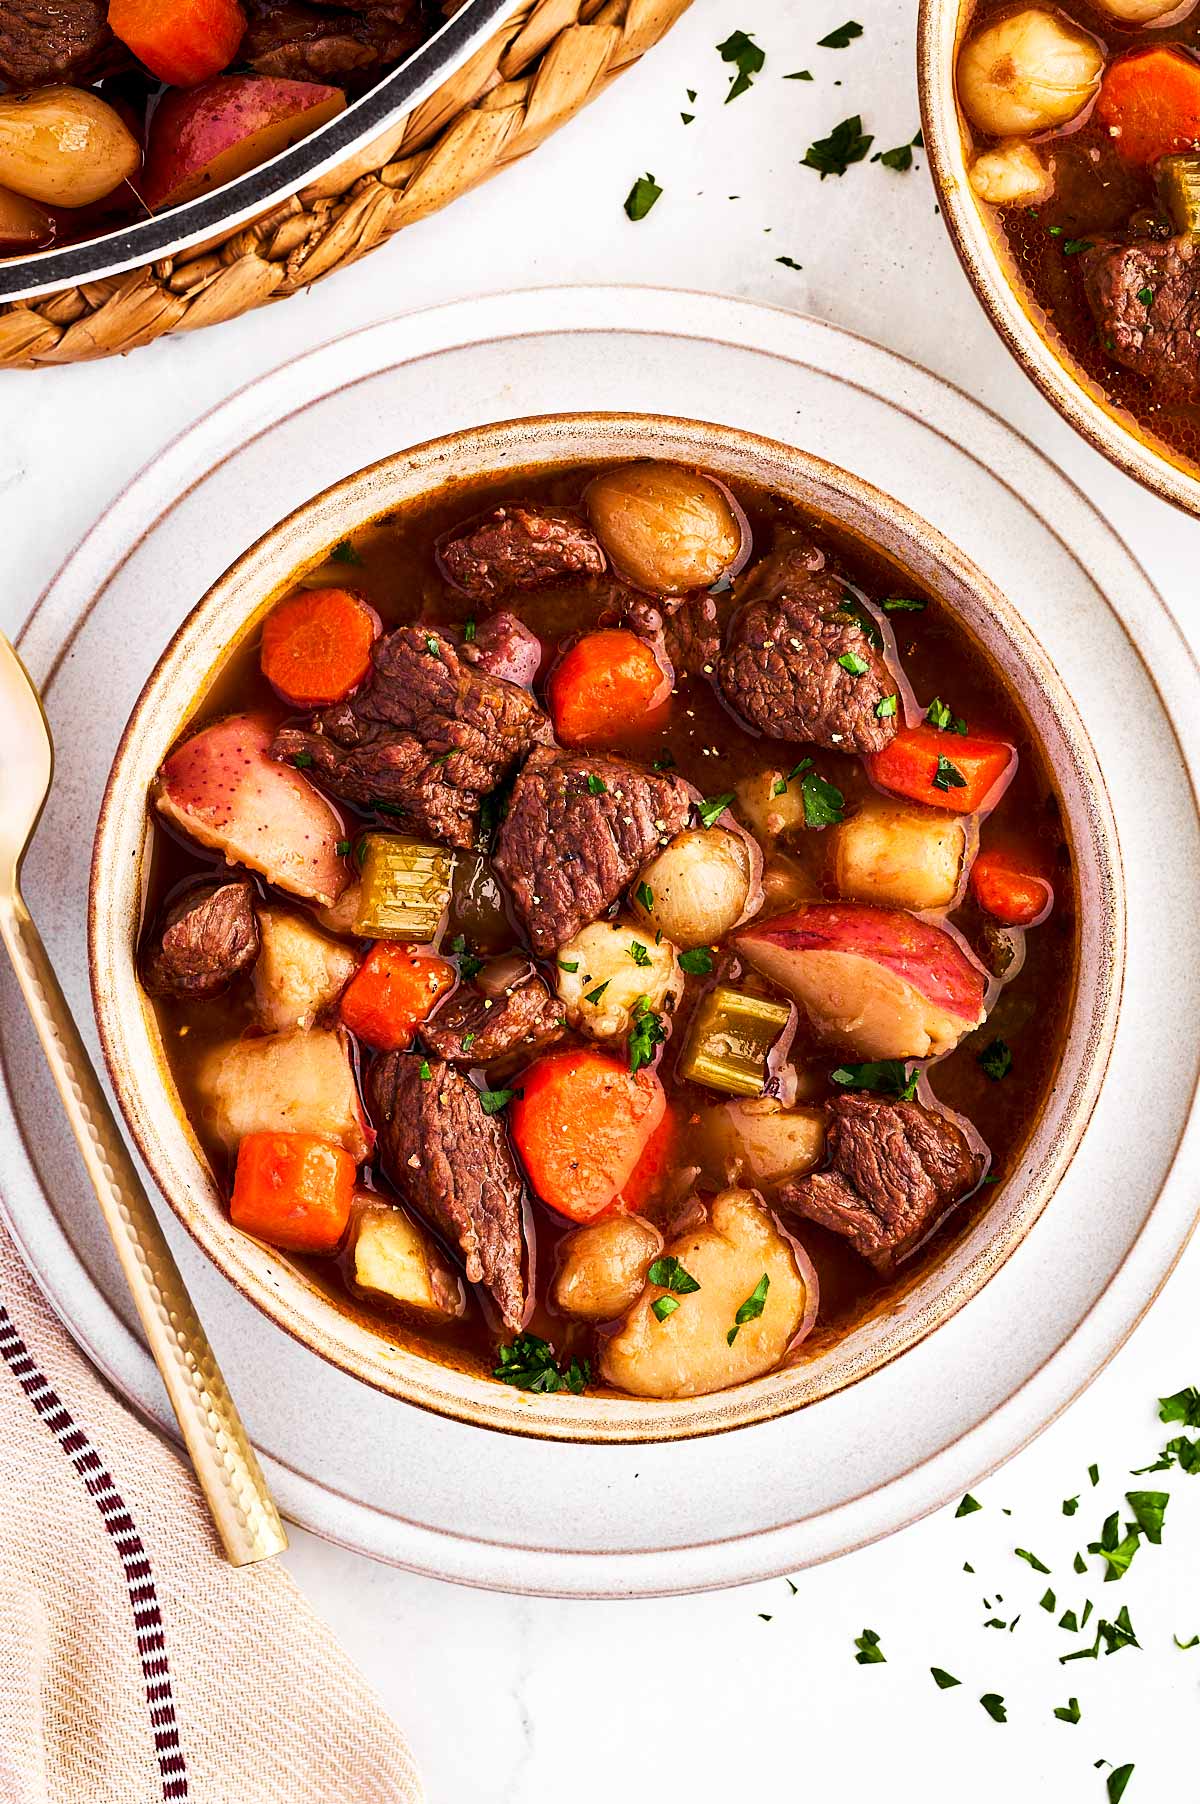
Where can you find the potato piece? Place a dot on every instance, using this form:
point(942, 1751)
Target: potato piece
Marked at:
point(1028, 72)
point(666, 528)
point(339, 917)
point(702, 885)
point(300, 1082)
point(1012, 175)
point(619, 960)
point(1137, 12)
point(761, 1143)
point(688, 1353)
point(899, 856)
point(766, 810)
point(393, 1258)
point(300, 970)
point(602, 1268)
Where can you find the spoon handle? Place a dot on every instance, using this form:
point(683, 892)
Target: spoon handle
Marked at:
point(222, 1457)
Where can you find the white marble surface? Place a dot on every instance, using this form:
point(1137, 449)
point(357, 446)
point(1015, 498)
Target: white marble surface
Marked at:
point(754, 1692)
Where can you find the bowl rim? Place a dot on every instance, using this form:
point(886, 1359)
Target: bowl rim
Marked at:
point(1073, 394)
point(235, 202)
point(469, 1397)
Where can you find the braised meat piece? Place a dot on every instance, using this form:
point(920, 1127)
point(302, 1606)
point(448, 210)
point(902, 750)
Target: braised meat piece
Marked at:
point(516, 547)
point(452, 1162)
point(1146, 301)
point(298, 42)
point(46, 41)
point(578, 830)
point(797, 663)
point(428, 734)
point(472, 1029)
point(205, 940)
point(895, 1168)
point(685, 631)
point(504, 647)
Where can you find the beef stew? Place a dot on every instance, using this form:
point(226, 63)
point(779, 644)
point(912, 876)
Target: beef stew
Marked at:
point(596, 1036)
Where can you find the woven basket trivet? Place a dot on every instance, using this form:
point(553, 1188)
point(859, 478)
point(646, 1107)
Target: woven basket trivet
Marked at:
point(547, 60)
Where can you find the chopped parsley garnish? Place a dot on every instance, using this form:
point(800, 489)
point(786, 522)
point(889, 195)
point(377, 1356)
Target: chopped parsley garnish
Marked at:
point(1070, 1505)
point(492, 1101)
point(302, 760)
point(644, 896)
point(823, 802)
point(869, 1651)
point(850, 661)
point(740, 49)
point(781, 783)
point(424, 1071)
point(342, 848)
point(902, 604)
point(752, 1308)
point(697, 961)
point(662, 1307)
point(639, 954)
point(687, 117)
point(1183, 1407)
point(468, 962)
point(901, 156)
point(529, 1364)
point(1183, 1646)
point(887, 707)
point(799, 75)
point(468, 632)
point(1115, 1549)
point(664, 761)
point(468, 1041)
point(1149, 1508)
point(641, 197)
point(344, 553)
point(1023, 1553)
point(593, 996)
point(712, 808)
point(432, 646)
point(886, 1077)
point(947, 776)
point(668, 1274)
point(993, 1703)
point(939, 715)
point(1071, 247)
point(1145, 296)
point(647, 1033)
point(943, 1679)
point(1118, 1779)
point(968, 1506)
point(1094, 1474)
point(1068, 1712)
point(1048, 1601)
point(1180, 1452)
point(995, 1060)
point(842, 37)
point(1079, 1563)
point(568, 964)
point(862, 617)
point(847, 143)
point(596, 785)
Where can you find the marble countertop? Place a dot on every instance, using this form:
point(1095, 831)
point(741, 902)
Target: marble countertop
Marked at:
point(753, 1692)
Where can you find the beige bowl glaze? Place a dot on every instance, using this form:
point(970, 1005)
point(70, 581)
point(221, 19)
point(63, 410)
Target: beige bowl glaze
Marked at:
point(1015, 314)
point(129, 1029)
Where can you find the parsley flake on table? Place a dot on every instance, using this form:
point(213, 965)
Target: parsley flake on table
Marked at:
point(1118, 1779)
point(993, 1703)
point(1023, 1553)
point(1183, 1407)
point(709, 812)
point(968, 1506)
point(1068, 1712)
point(529, 1364)
point(751, 1309)
point(789, 262)
point(1094, 1474)
point(886, 1077)
point(869, 1651)
point(842, 37)
point(799, 75)
point(1115, 1550)
point(1149, 1509)
point(1048, 1601)
point(943, 1679)
point(1183, 1646)
point(900, 157)
point(996, 1060)
point(740, 49)
point(847, 143)
point(1070, 1505)
point(641, 197)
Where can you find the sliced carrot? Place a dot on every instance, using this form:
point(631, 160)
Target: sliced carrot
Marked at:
point(293, 1190)
point(1009, 886)
point(646, 1179)
point(183, 42)
point(608, 687)
point(581, 1122)
point(1150, 102)
point(392, 992)
point(316, 646)
point(947, 770)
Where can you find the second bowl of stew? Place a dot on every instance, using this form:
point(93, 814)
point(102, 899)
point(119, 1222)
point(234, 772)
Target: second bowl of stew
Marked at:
point(604, 926)
point(1065, 145)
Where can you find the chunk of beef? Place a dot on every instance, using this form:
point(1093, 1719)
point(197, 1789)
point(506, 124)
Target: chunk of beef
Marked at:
point(797, 663)
point(568, 848)
point(472, 1029)
point(505, 647)
point(516, 547)
point(298, 42)
point(205, 940)
point(685, 630)
point(1146, 301)
point(428, 734)
point(895, 1168)
point(45, 41)
point(453, 1163)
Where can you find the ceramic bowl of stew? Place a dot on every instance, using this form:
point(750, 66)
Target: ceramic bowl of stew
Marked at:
point(1065, 147)
point(606, 927)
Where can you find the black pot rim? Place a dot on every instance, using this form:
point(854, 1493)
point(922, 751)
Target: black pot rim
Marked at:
point(42, 272)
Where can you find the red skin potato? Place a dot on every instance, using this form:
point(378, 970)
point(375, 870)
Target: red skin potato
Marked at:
point(201, 137)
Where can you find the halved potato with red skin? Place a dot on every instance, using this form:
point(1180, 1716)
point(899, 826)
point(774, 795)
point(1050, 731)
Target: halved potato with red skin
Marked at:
point(223, 789)
point(877, 982)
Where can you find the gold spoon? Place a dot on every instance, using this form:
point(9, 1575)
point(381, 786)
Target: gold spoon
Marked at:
point(224, 1461)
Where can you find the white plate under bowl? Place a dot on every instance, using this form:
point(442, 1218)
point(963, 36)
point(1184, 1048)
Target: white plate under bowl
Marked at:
point(493, 1509)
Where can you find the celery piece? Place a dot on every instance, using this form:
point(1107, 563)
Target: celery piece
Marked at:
point(405, 888)
point(1179, 190)
point(731, 1037)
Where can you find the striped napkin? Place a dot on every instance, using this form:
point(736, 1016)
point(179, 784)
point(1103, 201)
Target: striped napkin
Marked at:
point(136, 1665)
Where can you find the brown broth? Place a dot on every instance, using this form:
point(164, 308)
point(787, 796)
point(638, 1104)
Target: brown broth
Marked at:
point(397, 571)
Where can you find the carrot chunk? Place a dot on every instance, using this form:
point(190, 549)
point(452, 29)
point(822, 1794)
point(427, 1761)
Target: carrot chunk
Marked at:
point(182, 41)
point(1150, 102)
point(1008, 886)
point(648, 1176)
point(967, 775)
point(581, 1122)
point(293, 1190)
point(316, 646)
point(392, 992)
point(608, 686)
